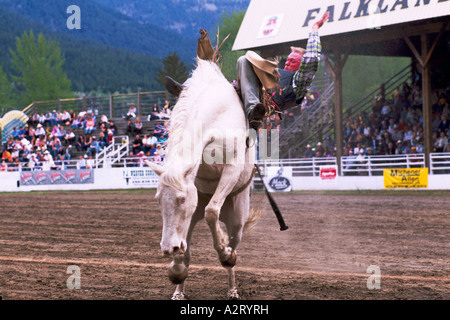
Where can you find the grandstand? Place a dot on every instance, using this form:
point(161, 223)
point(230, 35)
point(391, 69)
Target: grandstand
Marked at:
point(418, 31)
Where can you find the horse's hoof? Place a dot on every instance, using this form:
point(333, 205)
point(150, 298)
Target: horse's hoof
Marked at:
point(177, 272)
point(233, 294)
point(230, 261)
point(178, 296)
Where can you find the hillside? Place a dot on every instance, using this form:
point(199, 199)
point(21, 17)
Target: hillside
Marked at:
point(186, 17)
point(106, 26)
point(89, 65)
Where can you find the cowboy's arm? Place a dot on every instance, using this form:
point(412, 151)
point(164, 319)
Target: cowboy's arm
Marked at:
point(304, 76)
point(310, 61)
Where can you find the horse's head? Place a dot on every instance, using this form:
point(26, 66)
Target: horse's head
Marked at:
point(177, 197)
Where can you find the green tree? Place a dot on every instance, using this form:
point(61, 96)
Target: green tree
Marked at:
point(38, 67)
point(174, 68)
point(229, 25)
point(5, 88)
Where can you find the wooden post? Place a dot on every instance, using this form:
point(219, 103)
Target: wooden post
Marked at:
point(426, 103)
point(138, 102)
point(111, 108)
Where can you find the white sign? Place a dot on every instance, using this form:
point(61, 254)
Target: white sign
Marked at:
point(278, 179)
point(298, 17)
point(140, 177)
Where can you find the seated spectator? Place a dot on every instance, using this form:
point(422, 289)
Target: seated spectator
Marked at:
point(137, 145)
point(69, 138)
point(102, 140)
point(110, 137)
point(131, 129)
point(55, 147)
point(6, 156)
point(138, 126)
point(141, 159)
point(112, 126)
point(81, 163)
point(34, 120)
point(76, 122)
point(308, 152)
point(88, 141)
point(89, 125)
point(66, 119)
point(90, 162)
point(48, 163)
point(158, 130)
point(131, 113)
point(441, 142)
point(81, 143)
point(103, 120)
point(94, 148)
point(400, 147)
point(60, 162)
point(397, 134)
point(82, 114)
point(73, 115)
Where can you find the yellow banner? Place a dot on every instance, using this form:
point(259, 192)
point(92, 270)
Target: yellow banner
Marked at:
point(405, 178)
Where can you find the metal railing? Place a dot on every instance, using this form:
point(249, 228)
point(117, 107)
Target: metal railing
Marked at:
point(300, 167)
point(113, 105)
point(111, 154)
point(440, 163)
point(374, 165)
point(368, 166)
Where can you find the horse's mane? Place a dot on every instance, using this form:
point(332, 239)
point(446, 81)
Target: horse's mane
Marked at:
point(206, 73)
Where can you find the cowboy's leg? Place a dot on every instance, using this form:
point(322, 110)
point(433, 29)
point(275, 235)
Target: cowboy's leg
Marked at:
point(250, 89)
point(249, 82)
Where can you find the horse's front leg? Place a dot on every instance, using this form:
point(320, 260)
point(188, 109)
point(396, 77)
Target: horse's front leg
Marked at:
point(179, 267)
point(229, 178)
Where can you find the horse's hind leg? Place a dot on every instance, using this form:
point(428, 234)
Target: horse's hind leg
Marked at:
point(235, 214)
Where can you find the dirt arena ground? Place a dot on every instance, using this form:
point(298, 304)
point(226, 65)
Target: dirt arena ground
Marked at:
point(333, 237)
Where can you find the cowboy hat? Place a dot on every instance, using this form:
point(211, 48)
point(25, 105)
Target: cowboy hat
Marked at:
point(266, 70)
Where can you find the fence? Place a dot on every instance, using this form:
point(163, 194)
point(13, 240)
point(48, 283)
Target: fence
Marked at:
point(114, 105)
point(369, 166)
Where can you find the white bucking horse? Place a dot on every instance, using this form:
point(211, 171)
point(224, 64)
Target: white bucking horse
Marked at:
point(206, 174)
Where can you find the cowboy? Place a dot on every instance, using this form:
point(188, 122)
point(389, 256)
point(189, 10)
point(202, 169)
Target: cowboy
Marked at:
point(287, 86)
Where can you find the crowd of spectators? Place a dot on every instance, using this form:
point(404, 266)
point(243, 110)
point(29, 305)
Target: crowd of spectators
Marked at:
point(49, 140)
point(393, 126)
point(151, 145)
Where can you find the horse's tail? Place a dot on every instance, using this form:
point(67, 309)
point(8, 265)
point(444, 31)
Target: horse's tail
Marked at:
point(255, 213)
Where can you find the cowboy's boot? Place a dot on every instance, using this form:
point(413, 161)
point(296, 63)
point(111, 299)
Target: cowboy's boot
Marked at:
point(255, 116)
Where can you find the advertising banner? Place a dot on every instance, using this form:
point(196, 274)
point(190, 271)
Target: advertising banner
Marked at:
point(52, 177)
point(278, 179)
point(140, 177)
point(328, 174)
point(405, 178)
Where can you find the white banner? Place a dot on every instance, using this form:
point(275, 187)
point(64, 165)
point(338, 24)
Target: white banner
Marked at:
point(278, 179)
